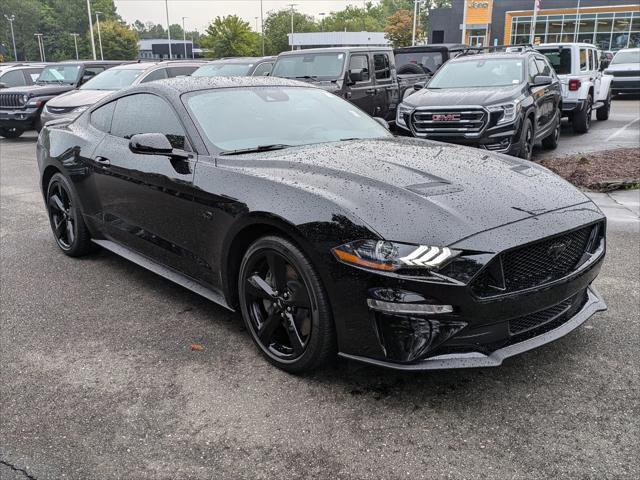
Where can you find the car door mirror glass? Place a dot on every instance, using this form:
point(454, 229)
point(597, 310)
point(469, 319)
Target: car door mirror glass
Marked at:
point(150, 144)
point(419, 85)
point(542, 80)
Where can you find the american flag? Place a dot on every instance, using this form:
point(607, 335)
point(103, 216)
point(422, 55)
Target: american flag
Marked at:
point(537, 5)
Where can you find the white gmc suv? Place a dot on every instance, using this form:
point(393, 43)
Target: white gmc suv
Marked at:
point(584, 87)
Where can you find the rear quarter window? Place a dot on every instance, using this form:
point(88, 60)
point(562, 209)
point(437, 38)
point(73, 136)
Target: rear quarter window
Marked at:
point(101, 117)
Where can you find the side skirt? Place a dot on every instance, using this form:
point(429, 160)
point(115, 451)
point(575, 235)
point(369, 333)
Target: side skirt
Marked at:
point(163, 271)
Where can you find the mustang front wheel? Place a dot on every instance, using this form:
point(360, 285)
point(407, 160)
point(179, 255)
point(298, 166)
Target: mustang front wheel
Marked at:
point(284, 306)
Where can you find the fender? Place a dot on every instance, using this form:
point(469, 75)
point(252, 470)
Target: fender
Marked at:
point(605, 87)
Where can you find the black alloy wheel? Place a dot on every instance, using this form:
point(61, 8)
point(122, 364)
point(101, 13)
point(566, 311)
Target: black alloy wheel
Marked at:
point(284, 306)
point(66, 221)
point(10, 132)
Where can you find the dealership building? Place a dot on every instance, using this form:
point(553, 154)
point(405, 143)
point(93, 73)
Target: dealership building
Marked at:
point(608, 24)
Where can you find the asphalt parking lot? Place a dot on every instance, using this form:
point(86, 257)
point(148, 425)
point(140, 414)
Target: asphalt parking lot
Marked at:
point(98, 380)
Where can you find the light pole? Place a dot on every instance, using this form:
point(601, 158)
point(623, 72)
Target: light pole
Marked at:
point(99, 35)
point(43, 57)
point(184, 39)
point(575, 32)
point(93, 43)
point(415, 15)
point(166, 6)
point(322, 14)
point(256, 19)
point(193, 53)
point(13, 38)
point(292, 5)
point(75, 42)
point(262, 27)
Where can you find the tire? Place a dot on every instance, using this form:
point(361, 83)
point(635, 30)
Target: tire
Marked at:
point(525, 148)
point(285, 307)
point(411, 68)
point(68, 227)
point(12, 132)
point(603, 112)
point(550, 142)
point(581, 121)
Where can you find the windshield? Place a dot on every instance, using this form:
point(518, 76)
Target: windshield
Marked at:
point(560, 60)
point(314, 65)
point(223, 70)
point(493, 72)
point(60, 74)
point(240, 118)
point(428, 61)
point(112, 79)
point(628, 56)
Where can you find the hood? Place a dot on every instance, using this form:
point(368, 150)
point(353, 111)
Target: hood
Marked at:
point(624, 67)
point(463, 96)
point(40, 90)
point(413, 190)
point(78, 98)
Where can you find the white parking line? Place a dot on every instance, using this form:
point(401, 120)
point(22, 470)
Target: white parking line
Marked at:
point(622, 129)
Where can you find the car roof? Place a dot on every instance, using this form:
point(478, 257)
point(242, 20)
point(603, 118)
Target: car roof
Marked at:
point(628, 50)
point(434, 46)
point(481, 56)
point(336, 50)
point(241, 59)
point(566, 44)
point(152, 65)
point(180, 85)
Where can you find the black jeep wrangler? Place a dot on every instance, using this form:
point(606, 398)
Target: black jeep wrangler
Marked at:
point(20, 107)
point(504, 102)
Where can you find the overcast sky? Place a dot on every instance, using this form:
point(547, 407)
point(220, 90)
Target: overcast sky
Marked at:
point(201, 12)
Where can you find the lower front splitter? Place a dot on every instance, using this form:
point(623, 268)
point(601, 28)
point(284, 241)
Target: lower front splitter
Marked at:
point(593, 304)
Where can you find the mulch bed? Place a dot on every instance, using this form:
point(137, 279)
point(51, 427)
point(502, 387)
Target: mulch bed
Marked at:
point(599, 171)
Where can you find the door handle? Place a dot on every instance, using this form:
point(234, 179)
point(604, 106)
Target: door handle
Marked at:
point(105, 162)
point(370, 91)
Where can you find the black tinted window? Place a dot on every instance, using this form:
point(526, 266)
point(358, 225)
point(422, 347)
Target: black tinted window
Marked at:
point(177, 71)
point(533, 69)
point(382, 66)
point(101, 117)
point(13, 78)
point(560, 60)
point(263, 69)
point(155, 75)
point(543, 67)
point(360, 63)
point(145, 113)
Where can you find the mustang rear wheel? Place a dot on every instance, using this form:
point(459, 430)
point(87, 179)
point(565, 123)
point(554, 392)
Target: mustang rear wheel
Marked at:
point(285, 307)
point(69, 229)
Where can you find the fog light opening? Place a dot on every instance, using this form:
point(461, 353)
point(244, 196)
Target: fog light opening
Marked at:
point(408, 308)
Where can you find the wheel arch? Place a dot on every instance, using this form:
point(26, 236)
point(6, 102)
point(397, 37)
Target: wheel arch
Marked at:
point(49, 172)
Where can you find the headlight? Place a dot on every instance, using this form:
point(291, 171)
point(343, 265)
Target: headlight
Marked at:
point(25, 98)
point(508, 110)
point(80, 109)
point(402, 110)
point(34, 102)
point(391, 256)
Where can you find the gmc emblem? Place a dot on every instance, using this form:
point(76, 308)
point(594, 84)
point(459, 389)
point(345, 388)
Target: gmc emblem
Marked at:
point(449, 117)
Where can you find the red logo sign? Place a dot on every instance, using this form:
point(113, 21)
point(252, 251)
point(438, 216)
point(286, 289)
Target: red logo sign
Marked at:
point(448, 117)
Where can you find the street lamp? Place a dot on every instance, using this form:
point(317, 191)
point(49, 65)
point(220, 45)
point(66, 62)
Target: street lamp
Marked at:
point(43, 57)
point(75, 42)
point(322, 14)
point(184, 39)
point(93, 43)
point(99, 35)
point(166, 6)
point(262, 27)
point(13, 38)
point(292, 5)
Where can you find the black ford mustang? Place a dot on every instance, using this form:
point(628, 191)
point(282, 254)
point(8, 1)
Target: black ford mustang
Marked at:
point(329, 234)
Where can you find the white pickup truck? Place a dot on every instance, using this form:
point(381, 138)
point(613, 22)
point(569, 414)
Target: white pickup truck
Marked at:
point(584, 87)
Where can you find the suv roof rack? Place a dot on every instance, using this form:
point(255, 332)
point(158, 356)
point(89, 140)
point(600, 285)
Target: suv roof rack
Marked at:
point(514, 48)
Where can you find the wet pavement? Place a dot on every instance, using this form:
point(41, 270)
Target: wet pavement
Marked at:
point(97, 380)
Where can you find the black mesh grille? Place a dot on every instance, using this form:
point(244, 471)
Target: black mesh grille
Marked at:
point(522, 324)
point(537, 263)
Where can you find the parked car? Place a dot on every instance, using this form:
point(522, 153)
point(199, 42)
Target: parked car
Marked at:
point(625, 70)
point(365, 76)
point(73, 103)
point(584, 87)
point(426, 58)
point(19, 74)
point(237, 66)
point(20, 107)
point(504, 102)
point(286, 203)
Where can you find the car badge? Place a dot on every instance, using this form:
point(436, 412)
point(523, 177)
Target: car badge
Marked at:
point(557, 249)
point(448, 117)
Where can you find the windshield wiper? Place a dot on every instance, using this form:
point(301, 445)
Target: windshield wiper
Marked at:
point(308, 77)
point(259, 148)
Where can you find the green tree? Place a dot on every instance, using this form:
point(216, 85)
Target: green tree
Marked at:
point(399, 29)
point(277, 26)
point(231, 36)
point(355, 19)
point(119, 41)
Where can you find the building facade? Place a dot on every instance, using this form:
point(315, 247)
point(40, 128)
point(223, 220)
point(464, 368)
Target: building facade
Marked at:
point(608, 24)
point(158, 49)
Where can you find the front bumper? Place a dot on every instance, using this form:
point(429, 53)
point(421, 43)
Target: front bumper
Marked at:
point(593, 304)
point(23, 118)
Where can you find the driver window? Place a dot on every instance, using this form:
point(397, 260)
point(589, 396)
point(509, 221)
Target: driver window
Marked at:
point(360, 63)
point(533, 70)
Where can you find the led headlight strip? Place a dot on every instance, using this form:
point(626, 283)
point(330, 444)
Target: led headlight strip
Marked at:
point(427, 256)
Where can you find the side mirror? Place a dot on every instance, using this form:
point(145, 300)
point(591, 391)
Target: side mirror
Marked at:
point(150, 144)
point(382, 122)
point(541, 80)
point(604, 63)
point(355, 76)
point(419, 85)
